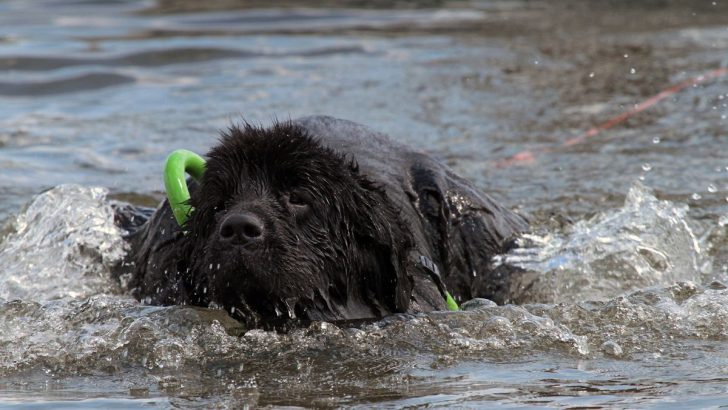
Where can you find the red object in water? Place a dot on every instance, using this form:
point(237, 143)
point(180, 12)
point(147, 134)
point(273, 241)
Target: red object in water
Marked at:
point(528, 156)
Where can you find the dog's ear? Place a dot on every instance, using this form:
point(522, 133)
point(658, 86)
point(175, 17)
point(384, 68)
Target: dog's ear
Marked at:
point(382, 234)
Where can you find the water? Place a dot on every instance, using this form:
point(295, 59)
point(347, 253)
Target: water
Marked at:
point(629, 234)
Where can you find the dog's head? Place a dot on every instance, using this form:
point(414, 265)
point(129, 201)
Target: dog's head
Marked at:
point(284, 227)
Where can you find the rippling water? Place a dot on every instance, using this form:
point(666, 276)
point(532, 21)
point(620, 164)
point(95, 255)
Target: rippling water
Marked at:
point(631, 306)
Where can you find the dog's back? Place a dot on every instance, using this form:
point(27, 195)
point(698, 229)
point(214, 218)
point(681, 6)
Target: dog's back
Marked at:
point(455, 225)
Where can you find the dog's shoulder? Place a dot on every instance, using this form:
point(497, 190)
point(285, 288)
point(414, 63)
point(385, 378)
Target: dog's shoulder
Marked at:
point(151, 262)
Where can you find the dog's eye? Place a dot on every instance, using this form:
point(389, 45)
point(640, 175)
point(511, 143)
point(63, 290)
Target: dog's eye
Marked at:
point(299, 198)
point(221, 206)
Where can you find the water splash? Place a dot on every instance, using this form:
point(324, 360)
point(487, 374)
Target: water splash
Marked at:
point(646, 242)
point(110, 333)
point(647, 320)
point(70, 327)
point(61, 246)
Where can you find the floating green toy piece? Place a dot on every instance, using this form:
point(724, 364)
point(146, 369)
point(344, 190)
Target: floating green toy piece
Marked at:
point(451, 304)
point(178, 163)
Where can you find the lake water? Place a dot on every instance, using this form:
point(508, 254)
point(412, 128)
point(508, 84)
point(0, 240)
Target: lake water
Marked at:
point(629, 232)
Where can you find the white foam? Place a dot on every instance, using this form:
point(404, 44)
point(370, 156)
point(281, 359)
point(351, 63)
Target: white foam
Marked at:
point(62, 246)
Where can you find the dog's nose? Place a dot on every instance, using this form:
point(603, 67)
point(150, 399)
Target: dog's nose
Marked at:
point(244, 227)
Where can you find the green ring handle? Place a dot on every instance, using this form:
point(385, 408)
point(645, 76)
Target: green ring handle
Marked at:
point(178, 163)
point(451, 303)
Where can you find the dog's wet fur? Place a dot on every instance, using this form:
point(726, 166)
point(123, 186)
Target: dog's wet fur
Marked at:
point(322, 219)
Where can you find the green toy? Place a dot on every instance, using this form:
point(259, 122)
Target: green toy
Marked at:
point(450, 301)
point(178, 163)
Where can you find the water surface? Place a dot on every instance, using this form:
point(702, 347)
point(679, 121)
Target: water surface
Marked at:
point(629, 226)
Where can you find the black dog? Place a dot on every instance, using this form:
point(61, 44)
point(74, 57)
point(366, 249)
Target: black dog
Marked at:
point(323, 219)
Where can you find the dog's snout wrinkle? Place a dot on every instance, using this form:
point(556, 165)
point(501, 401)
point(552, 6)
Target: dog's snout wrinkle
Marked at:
point(242, 228)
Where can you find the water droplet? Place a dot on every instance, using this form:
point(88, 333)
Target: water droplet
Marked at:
point(591, 75)
point(712, 188)
point(656, 140)
point(632, 70)
point(646, 167)
point(535, 62)
point(696, 196)
point(626, 55)
point(210, 266)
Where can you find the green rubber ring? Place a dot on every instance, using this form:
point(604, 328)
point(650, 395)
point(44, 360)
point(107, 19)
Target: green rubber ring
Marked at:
point(451, 304)
point(175, 184)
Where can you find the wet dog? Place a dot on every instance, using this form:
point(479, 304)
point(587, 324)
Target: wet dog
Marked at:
point(323, 219)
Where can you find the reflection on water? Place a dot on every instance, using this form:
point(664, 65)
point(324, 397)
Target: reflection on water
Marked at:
point(95, 94)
